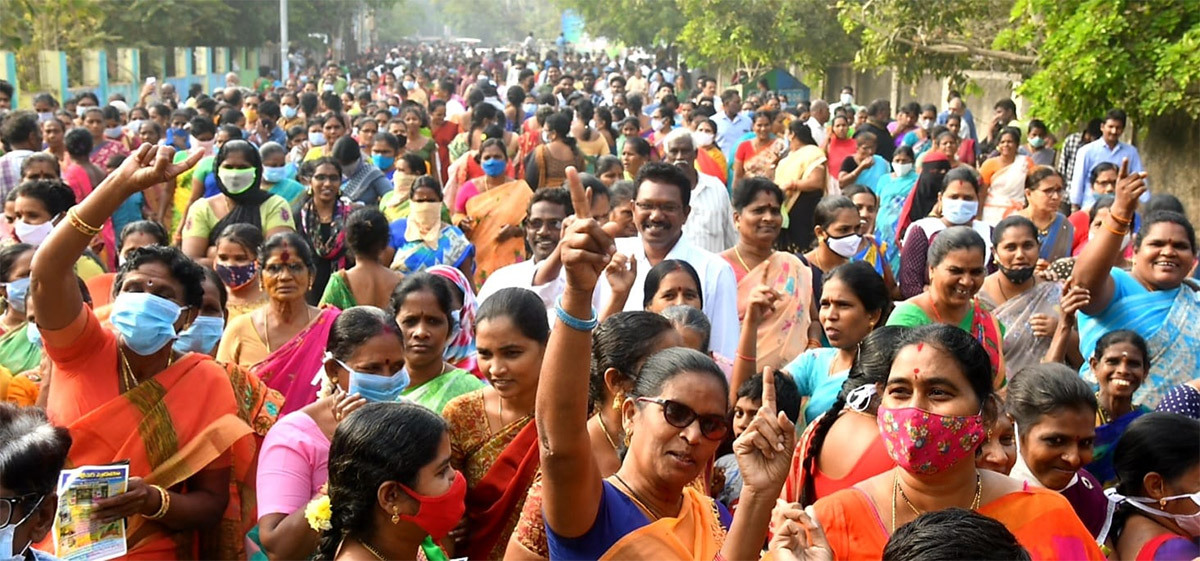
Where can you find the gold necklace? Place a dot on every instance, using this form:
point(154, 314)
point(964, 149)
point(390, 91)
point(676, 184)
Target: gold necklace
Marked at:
point(1104, 420)
point(131, 381)
point(896, 488)
point(604, 429)
point(372, 550)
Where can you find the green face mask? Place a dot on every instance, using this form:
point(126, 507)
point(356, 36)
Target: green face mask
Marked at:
point(236, 181)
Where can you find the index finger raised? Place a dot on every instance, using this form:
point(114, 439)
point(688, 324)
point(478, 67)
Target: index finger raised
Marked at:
point(579, 197)
point(768, 393)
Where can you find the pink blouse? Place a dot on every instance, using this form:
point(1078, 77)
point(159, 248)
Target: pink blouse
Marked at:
point(292, 466)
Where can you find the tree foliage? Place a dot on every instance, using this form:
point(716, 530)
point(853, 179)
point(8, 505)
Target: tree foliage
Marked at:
point(1078, 57)
point(1141, 55)
point(498, 21)
point(758, 35)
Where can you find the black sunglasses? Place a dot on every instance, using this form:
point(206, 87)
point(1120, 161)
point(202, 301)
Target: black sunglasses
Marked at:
point(680, 416)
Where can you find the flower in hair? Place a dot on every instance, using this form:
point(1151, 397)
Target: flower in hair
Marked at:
point(318, 512)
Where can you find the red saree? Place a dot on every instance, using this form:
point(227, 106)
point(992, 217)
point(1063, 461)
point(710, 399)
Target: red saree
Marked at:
point(492, 501)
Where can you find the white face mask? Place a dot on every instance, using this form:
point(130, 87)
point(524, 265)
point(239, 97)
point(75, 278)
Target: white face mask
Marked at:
point(958, 211)
point(8, 551)
point(902, 169)
point(1189, 523)
point(703, 139)
point(847, 99)
point(846, 246)
point(33, 234)
point(925, 124)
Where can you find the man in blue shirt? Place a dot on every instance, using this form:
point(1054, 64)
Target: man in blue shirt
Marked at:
point(267, 128)
point(1108, 148)
point(731, 124)
point(956, 106)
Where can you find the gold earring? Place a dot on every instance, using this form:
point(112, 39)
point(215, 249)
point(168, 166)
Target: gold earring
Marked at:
point(334, 379)
point(395, 514)
point(628, 437)
point(617, 401)
point(1162, 502)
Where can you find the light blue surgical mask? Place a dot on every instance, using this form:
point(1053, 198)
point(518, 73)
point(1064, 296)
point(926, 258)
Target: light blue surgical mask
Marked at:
point(316, 138)
point(274, 175)
point(374, 388)
point(289, 111)
point(394, 110)
point(201, 336)
point(17, 291)
point(959, 212)
point(146, 322)
point(33, 335)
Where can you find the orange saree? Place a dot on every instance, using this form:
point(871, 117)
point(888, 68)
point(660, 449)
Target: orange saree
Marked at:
point(492, 210)
point(1042, 521)
point(695, 534)
point(499, 469)
point(180, 422)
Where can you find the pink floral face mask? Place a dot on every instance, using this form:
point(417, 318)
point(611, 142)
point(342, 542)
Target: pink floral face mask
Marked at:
point(927, 443)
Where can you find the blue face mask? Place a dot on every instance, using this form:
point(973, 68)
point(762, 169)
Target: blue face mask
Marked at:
point(383, 162)
point(202, 336)
point(394, 110)
point(146, 322)
point(289, 112)
point(374, 387)
point(529, 109)
point(959, 212)
point(33, 335)
point(17, 291)
point(274, 175)
point(494, 167)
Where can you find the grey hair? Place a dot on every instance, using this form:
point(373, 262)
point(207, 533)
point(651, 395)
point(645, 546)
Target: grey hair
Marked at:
point(690, 318)
point(679, 134)
point(269, 149)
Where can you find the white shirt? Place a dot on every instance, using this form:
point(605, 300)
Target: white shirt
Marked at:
point(520, 275)
point(710, 224)
point(818, 130)
point(717, 285)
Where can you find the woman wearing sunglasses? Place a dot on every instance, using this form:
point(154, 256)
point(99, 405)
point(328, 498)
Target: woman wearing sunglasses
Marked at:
point(673, 419)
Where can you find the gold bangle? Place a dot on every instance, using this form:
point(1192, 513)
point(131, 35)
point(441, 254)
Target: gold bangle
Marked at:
point(1120, 220)
point(164, 503)
point(81, 226)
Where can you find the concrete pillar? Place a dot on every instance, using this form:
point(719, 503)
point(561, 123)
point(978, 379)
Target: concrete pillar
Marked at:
point(203, 57)
point(184, 62)
point(8, 72)
point(129, 66)
point(95, 72)
point(52, 71)
point(220, 58)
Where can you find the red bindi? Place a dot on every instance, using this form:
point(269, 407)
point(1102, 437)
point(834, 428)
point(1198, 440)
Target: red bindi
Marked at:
point(920, 347)
point(285, 256)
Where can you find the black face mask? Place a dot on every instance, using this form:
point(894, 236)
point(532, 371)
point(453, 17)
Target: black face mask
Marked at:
point(1017, 276)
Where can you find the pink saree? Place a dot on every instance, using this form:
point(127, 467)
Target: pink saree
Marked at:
point(290, 368)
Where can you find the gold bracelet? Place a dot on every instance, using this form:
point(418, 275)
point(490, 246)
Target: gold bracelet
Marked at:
point(1120, 219)
point(1116, 232)
point(164, 503)
point(81, 226)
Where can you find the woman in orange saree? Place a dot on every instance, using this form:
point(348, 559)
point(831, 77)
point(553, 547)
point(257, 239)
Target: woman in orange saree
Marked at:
point(933, 440)
point(493, 440)
point(490, 211)
point(127, 395)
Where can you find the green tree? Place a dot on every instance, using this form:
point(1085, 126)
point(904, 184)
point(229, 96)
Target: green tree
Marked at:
point(755, 36)
point(1078, 57)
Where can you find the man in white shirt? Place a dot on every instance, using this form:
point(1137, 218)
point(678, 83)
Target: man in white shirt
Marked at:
point(819, 116)
point(660, 210)
point(543, 230)
point(710, 224)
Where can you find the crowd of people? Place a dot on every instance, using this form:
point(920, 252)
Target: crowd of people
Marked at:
point(443, 303)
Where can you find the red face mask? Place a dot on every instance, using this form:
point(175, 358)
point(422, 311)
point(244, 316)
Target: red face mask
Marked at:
point(438, 515)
